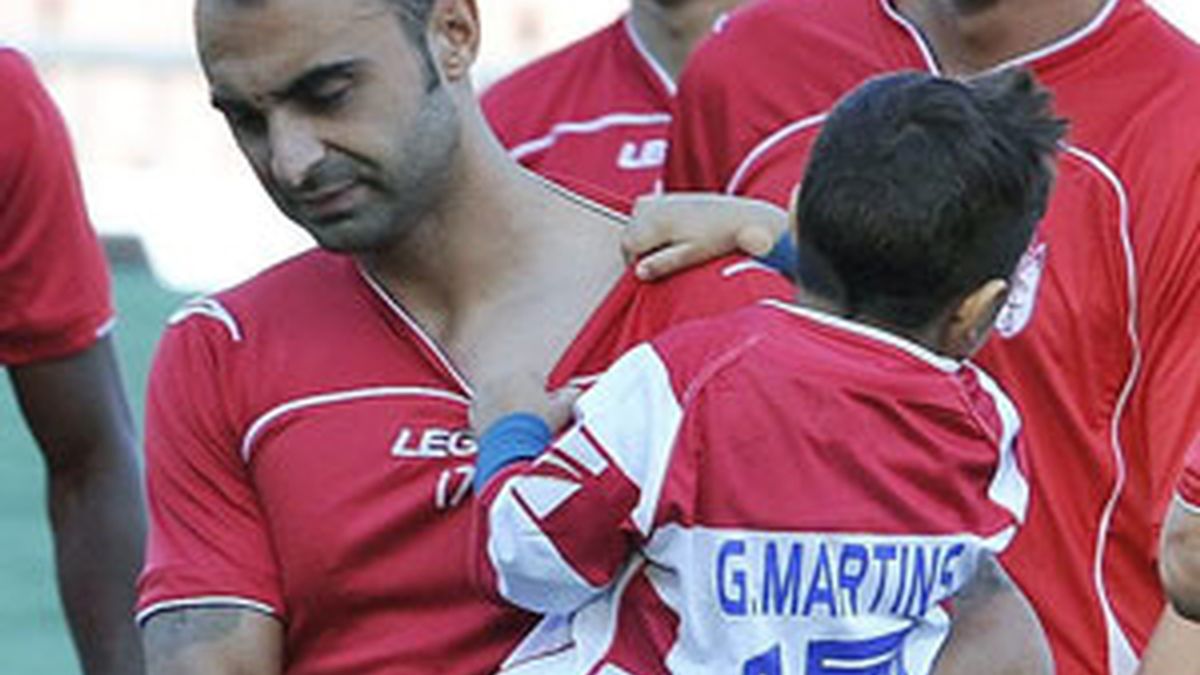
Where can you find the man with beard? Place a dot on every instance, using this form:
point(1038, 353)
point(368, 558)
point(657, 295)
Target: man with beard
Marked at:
point(309, 460)
point(1091, 345)
point(309, 463)
point(598, 110)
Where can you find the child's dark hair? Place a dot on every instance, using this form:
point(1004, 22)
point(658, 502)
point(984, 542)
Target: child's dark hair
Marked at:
point(921, 188)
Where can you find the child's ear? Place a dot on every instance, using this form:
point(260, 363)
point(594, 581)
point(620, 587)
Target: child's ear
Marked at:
point(968, 326)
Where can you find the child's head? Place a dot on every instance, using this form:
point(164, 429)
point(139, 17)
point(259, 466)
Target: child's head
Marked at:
point(920, 197)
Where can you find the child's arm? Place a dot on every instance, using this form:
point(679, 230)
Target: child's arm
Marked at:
point(557, 521)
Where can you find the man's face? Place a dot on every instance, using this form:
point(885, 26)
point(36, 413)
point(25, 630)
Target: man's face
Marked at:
point(332, 105)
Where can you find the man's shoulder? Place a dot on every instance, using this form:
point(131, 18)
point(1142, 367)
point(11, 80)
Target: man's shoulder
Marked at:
point(294, 292)
point(718, 285)
point(14, 65)
point(551, 81)
point(21, 85)
point(765, 34)
point(560, 64)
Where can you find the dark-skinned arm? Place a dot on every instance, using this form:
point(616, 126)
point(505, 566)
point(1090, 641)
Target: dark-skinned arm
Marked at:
point(213, 641)
point(77, 411)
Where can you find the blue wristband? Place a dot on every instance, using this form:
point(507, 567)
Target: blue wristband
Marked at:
point(509, 439)
point(782, 256)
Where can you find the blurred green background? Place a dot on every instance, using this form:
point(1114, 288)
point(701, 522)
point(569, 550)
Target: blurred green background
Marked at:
point(33, 634)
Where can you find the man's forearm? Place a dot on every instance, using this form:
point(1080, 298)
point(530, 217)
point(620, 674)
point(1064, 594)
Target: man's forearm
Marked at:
point(76, 408)
point(99, 529)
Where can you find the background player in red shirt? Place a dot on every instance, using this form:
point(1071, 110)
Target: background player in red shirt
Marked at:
point(598, 110)
point(1096, 345)
point(308, 454)
point(791, 433)
point(56, 320)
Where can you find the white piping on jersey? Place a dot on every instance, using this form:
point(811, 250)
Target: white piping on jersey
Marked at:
point(213, 309)
point(1020, 60)
point(932, 65)
point(746, 266)
point(433, 347)
point(915, 33)
point(942, 363)
point(275, 413)
point(1000, 541)
point(1193, 509)
point(618, 218)
point(1009, 488)
point(1122, 659)
point(766, 144)
point(667, 81)
point(202, 602)
point(107, 327)
point(620, 119)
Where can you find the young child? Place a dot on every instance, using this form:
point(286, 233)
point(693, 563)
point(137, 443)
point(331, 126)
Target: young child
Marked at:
point(800, 488)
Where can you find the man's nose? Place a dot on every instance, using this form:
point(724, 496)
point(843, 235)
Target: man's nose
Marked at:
point(295, 150)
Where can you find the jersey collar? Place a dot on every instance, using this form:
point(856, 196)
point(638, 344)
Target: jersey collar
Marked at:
point(871, 333)
point(1064, 43)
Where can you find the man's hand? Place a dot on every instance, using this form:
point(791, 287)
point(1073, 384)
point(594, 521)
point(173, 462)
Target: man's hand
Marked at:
point(521, 393)
point(672, 232)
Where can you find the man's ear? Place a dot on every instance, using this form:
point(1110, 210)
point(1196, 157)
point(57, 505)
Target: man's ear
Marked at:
point(968, 326)
point(454, 34)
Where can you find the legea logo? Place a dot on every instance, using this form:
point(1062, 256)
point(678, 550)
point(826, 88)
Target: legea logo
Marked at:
point(434, 443)
point(1022, 299)
point(647, 155)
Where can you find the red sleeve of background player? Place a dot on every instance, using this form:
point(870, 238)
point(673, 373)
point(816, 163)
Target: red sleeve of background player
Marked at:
point(1189, 480)
point(751, 77)
point(1166, 407)
point(701, 145)
point(54, 287)
point(208, 541)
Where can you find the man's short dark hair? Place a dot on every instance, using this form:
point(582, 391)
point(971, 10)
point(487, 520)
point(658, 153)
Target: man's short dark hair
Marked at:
point(414, 19)
point(921, 188)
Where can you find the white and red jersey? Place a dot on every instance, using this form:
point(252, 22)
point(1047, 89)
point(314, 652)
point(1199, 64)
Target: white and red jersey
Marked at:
point(775, 490)
point(55, 295)
point(1098, 345)
point(308, 456)
point(597, 111)
point(1189, 480)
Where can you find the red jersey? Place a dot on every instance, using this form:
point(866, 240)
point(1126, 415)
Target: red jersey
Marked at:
point(726, 502)
point(1189, 480)
point(597, 110)
point(308, 456)
point(1098, 344)
point(54, 286)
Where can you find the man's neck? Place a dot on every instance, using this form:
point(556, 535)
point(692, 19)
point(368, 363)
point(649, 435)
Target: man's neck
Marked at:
point(498, 232)
point(670, 31)
point(971, 36)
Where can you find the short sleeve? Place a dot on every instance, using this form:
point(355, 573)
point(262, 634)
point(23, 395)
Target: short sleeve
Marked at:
point(209, 543)
point(55, 295)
